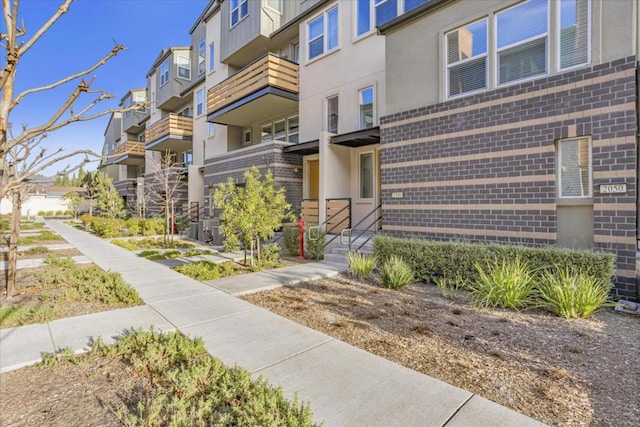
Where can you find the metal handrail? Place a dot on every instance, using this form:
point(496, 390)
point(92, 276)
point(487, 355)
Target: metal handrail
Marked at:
point(378, 218)
point(318, 227)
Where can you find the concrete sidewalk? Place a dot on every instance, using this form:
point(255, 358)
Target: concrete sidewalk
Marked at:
point(345, 385)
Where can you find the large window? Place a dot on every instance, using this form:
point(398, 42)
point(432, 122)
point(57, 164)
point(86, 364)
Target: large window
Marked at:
point(574, 32)
point(322, 33)
point(574, 168)
point(202, 57)
point(366, 99)
point(280, 130)
point(212, 57)
point(366, 176)
point(373, 13)
point(239, 10)
point(200, 102)
point(467, 58)
point(522, 33)
point(332, 114)
point(164, 72)
point(275, 5)
point(184, 66)
point(293, 129)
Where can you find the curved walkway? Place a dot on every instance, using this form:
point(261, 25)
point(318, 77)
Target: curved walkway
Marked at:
point(346, 386)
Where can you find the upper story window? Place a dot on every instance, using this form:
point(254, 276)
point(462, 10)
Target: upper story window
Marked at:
point(366, 99)
point(184, 66)
point(164, 72)
point(140, 98)
point(239, 10)
point(574, 168)
point(202, 57)
point(373, 13)
point(212, 129)
point(467, 58)
point(212, 58)
point(274, 4)
point(332, 114)
point(322, 33)
point(127, 104)
point(295, 52)
point(200, 102)
point(386, 10)
point(519, 46)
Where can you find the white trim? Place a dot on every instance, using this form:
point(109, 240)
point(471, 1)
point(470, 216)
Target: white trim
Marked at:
point(558, 36)
point(203, 103)
point(239, 9)
point(212, 58)
point(270, 124)
point(373, 177)
point(325, 26)
point(178, 66)
point(162, 74)
point(244, 142)
point(374, 102)
point(279, 12)
point(326, 113)
point(472, 58)
point(559, 164)
point(203, 44)
point(372, 21)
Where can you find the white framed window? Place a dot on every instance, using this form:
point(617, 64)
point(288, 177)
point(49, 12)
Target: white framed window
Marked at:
point(332, 114)
point(185, 112)
point(467, 65)
point(365, 175)
point(187, 158)
point(239, 10)
point(366, 107)
point(574, 168)
point(140, 98)
point(373, 13)
point(200, 102)
point(323, 33)
point(274, 4)
point(212, 57)
point(293, 129)
point(164, 72)
point(266, 132)
point(364, 12)
point(385, 10)
point(280, 130)
point(184, 66)
point(202, 57)
point(295, 52)
point(212, 129)
point(521, 41)
point(127, 104)
point(246, 136)
point(574, 29)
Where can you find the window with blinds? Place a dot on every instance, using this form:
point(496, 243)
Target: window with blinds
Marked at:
point(467, 58)
point(574, 32)
point(574, 168)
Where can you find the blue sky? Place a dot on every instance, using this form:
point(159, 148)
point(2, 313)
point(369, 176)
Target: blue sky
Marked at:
point(81, 37)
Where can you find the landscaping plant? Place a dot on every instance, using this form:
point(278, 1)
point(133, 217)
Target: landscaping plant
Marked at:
point(314, 243)
point(449, 286)
point(505, 283)
point(571, 294)
point(290, 239)
point(205, 270)
point(395, 273)
point(361, 265)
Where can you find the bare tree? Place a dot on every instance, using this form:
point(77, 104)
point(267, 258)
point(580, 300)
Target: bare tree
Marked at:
point(163, 187)
point(21, 154)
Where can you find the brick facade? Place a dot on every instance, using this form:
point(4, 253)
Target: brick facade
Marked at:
point(483, 167)
point(286, 169)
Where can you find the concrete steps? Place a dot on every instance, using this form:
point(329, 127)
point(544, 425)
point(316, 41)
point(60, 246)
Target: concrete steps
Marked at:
point(336, 255)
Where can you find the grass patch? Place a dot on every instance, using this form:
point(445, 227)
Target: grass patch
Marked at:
point(150, 243)
point(505, 283)
point(36, 250)
point(205, 270)
point(31, 225)
point(361, 265)
point(185, 386)
point(395, 273)
point(42, 236)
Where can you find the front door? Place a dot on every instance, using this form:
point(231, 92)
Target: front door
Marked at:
point(314, 178)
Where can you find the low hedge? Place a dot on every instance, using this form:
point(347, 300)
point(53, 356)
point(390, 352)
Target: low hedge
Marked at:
point(431, 260)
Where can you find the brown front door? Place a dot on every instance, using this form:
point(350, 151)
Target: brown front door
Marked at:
point(314, 178)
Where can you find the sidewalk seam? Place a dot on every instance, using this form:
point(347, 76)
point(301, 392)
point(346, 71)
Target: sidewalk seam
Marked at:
point(293, 355)
point(458, 410)
point(190, 325)
point(53, 341)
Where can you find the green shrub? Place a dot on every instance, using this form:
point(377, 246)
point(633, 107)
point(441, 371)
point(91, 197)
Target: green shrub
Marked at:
point(42, 213)
point(182, 222)
point(395, 273)
point(290, 239)
point(431, 260)
point(107, 227)
point(49, 213)
point(67, 213)
point(361, 265)
point(150, 243)
point(505, 283)
point(314, 247)
point(205, 270)
point(86, 220)
point(572, 294)
point(270, 254)
point(58, 261)
point(152, 226)
point(134, 226)
point(59, 213)
point(231, 243)
point(449, 286)
point(197, 252)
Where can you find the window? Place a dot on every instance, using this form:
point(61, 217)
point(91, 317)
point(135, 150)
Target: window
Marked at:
point(246, 136)
point(140, 98)
point(322, 33)
point(127, 104)
point(164, 72)
point(266, 132)
point(365, 107)
point(239, 10)
point(280, 130)
point(363, 17)
point(366, 176)
point(574, 32)
point(200, 102)
point(275, 5)
point(187, 158)
point(141, 137)
point(386, 10)
point(574, 168)
point(412, 4)
point(212, 129)
point(382, 12)
point(467, 58)
point(186, 112)
point(212, 60)
point(202, 57)
point(332, 114)
point(521, 41)
point(293, 129)
point(295, 52)
point(184, 67)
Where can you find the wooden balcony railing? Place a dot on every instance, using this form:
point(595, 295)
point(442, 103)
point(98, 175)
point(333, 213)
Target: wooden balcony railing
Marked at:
point(134, 148)
point(269, 70)
point(171, 124)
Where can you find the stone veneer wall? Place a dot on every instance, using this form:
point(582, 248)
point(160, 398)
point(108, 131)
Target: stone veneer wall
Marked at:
point(482, 167)
point(286, 169)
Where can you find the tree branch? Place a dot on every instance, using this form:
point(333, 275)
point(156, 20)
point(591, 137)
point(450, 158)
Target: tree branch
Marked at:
point(64, 8)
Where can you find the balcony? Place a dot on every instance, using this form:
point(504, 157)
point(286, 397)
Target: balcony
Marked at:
point(172, 132)
point(129, 153)
point(132, 121)
point(263, 89)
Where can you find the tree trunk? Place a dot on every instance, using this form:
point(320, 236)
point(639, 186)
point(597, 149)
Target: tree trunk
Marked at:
point(258, 251)
point(251, 254)
point(13, 243)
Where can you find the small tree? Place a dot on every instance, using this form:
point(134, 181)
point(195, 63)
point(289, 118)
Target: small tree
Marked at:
point(254, 212)
point(107, 198)
point(75, 202)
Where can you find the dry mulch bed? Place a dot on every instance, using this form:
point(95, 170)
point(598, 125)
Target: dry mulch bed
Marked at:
point(561, 372)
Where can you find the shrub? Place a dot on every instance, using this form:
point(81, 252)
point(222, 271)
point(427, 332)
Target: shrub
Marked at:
point(43, 235)
point(86, 220)
point(231, 243)
point(205, 270)
point(290, 239)
point(431, 260)
point(449, 286)
point(270, 254)
point(314, 248)
point(197, 252)
point(133, 224)
point(59, 213)
point(505, 283)
point(107, 227)
point(152, 226)
point(395, 273)
point(49, 213)
point(37, 250)
point(572, 294)
point(42, 213)
point(361, 265)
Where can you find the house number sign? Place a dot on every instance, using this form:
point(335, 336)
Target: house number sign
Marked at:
point(613, 188)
